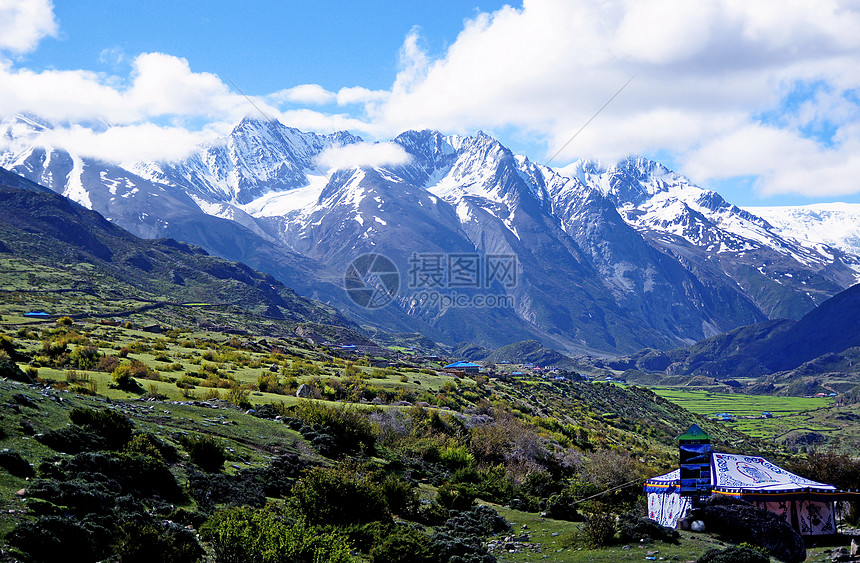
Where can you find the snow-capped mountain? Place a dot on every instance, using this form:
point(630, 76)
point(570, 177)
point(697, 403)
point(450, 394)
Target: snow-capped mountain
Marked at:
point(257, 157)
point(607, 258)
point(784, 277)
point(836, 225)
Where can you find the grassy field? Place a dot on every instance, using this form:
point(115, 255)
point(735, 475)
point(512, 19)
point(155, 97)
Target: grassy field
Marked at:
point(789, 413)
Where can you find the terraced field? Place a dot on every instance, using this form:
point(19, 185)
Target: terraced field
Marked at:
point(790, 414)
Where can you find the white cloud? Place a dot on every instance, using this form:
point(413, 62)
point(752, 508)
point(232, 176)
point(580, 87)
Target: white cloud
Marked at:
point(362, 154)
point(360, 95)
point(165, 85)
point(305, 94)
point(160, 85)
point(127, 143)
point(783, 162)
point(23, 23)
point(704, 71)
point(113, 56)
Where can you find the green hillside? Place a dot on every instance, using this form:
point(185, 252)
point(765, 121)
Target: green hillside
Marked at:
point(170, 406)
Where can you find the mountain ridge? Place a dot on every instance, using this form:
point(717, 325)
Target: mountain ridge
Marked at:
point(608, 258)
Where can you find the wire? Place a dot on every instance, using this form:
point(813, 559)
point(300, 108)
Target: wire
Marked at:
point(625, 485)
point(270, 120)
point(589, 121)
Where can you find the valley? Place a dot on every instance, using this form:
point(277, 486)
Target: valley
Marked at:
point(459, 282)
point(237, 397)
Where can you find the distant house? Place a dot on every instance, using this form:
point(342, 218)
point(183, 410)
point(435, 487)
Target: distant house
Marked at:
point(462, 367)
point(37, 315)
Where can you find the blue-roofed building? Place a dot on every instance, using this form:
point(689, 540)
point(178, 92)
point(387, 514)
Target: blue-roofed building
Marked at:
point(462, 367)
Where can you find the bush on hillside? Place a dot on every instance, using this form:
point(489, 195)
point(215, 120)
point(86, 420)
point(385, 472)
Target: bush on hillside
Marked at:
point(114, 428)
point(15, 464)
point(205, 452)
point(350, 428)
point(339, 496)
point(599, 529)
point(268, 534)
point(404, 545)
point(143, 542)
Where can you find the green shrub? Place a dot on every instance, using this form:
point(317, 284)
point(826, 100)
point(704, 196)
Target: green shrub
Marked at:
point(399, 495)
point(454, 497)
point(456, 457)
point(403, 545)
point(84, 357)
point(144, 444)
point(461, 537)
point(11, 461)
point(144, 542)
point(239, 397)
point(45, 539)
point(489, 483)
point(205, 452)
point(112, 427)
point(212, 489)
point(268, 535)
point(339, 496)
point(122, 377)
point(350, 427)
point(599, 529)
point(135, 474)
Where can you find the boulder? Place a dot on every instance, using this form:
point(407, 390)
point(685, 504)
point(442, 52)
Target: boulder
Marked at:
point(738, 522)
point(304, 391)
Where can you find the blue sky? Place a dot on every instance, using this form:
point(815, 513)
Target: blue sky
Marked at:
point(261, 46)
point(758, 101)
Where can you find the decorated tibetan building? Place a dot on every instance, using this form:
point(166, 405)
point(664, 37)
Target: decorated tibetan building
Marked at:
point(807, 506)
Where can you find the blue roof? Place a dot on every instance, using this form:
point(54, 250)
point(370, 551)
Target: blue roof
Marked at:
point(462, 365)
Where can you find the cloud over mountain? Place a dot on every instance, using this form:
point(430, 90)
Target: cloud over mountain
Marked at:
point(723, 89)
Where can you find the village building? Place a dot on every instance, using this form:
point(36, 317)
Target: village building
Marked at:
point(806, 505)
point(462, 368)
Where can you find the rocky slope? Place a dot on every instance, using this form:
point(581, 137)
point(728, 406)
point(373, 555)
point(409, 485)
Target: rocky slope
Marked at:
point(490, 248)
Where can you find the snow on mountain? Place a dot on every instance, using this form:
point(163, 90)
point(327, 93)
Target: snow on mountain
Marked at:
point(257, 157)
point(653, 198)
point(833, 224)
point(609, 257)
